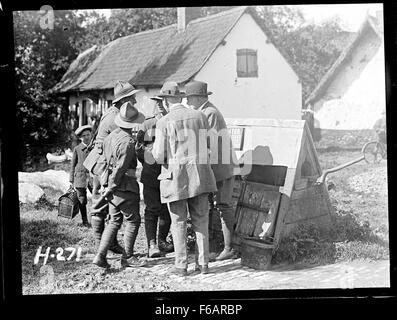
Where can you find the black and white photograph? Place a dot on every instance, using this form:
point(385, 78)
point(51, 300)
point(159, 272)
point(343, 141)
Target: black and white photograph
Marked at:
point(202, 149)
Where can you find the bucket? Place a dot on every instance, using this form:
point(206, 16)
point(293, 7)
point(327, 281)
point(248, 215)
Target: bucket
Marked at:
point(256, 254)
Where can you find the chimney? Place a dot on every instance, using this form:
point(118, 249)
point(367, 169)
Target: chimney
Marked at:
point(185, 15)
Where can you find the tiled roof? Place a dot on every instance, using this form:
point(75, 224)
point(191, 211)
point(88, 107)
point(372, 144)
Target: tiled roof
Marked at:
point(369, 22)
point(152, 57)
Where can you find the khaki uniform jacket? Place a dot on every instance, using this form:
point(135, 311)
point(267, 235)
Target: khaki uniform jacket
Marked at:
point(106, 126)
point(181, 146)
point(79, 175)
point(119, 152)
point(223, 168)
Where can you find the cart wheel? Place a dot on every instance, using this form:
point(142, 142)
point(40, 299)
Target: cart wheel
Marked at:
point(373, 152)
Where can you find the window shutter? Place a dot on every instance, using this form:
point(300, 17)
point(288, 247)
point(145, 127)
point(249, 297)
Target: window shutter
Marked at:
point(247, 63)
point(241, 63)
point(252, 64)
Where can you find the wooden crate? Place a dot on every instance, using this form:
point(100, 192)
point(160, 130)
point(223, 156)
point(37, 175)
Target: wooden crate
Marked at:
point(256, 211)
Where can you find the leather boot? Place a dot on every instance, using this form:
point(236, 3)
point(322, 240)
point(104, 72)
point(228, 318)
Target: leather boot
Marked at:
point(98, 225)
point(202, 269)
point(115, 246)
point(130, 234)
point(164, 224)
point(164, 228)
point(153, 250)
point(165, 246)
point(150, 229)
point(107, 237)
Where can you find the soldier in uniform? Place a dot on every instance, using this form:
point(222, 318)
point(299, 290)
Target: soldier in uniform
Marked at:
point(79, 176)
point(155, 211)
point(197, 97)
point(186, 177)
point(122, 187)
point(95, 162)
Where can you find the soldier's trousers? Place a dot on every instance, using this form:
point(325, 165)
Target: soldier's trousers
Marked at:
point(126, 209)
point(155, 212)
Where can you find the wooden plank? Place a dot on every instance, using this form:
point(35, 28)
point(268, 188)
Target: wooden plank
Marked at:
point(247, 222)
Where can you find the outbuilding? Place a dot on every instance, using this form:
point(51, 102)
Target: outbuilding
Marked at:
point(351, 96)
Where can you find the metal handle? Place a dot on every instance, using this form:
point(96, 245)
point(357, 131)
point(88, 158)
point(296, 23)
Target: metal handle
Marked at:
point(369, 149)
point(321, 179)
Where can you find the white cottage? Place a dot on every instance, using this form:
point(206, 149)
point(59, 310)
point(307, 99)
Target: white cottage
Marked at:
point(231, 51)
point(352, 95)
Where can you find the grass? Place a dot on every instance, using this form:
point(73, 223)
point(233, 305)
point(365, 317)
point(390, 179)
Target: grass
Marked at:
point(361, 220)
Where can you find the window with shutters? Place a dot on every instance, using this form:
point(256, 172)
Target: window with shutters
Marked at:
point(247, 63)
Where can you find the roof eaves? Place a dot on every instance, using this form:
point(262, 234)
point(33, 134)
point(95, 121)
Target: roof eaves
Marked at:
point(336, 66)
point(62, 87)
point(147, 32)
point(243, 10)
point(94, 65)
point(375, 27)
point(220, 14)
point(59, 86)
point(268, 34)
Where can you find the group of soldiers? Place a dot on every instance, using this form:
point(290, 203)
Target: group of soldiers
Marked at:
point(178, 176)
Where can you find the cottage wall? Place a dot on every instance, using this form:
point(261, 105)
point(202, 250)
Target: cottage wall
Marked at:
point(345, 114)
point(275, 93)
point(355, 98)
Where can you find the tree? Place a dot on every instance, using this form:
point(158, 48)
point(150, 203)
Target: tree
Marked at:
point(96, 30)
point(311, 49)
point(123, 22)
point(128, 21)
point(205, 11)
point(42, 56)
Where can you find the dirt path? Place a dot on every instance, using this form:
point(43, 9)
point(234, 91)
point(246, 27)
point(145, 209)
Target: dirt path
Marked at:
point(230, 275)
